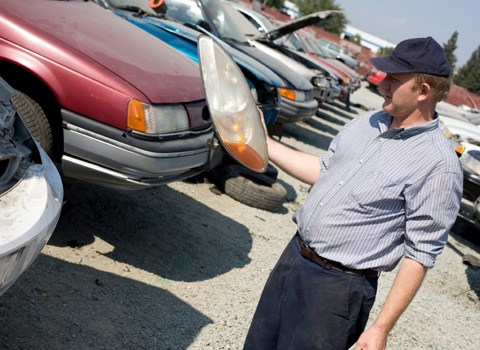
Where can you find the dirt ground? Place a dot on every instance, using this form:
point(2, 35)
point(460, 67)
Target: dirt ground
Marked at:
point(182, 267)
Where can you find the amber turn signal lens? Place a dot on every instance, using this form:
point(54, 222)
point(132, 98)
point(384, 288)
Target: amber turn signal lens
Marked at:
point(136, 117)
point(287, 93)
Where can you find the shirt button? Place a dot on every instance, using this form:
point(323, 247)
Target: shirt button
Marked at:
point(321, 204)
point(308, 228)
point(360, 161)
point(380, 139)
point(340, 183)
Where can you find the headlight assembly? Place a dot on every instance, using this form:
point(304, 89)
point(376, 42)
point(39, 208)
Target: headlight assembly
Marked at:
point(232, 106)
point(294, 95)
point(157, 119)
point(471, 160)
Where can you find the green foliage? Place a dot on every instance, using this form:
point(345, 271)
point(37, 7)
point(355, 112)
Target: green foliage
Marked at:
point(357, 39)
point(468, 76)
point(276, 4)
point(449, 48)
point(333, 25)
point(385, 51)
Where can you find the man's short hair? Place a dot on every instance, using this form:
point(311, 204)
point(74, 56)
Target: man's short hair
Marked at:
point(440, 86)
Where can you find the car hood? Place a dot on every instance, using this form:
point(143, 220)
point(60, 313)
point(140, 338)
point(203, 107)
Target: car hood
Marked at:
point(295, 25)
point(144, 62)
point(283, 66)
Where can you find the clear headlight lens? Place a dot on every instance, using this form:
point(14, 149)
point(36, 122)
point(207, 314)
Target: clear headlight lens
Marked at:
point(254, 94)
point(232, 106)
point(156, 119)
point(471, 160)
point(300, 96)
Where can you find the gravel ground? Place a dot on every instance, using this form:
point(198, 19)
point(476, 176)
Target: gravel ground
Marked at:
point(182, 267)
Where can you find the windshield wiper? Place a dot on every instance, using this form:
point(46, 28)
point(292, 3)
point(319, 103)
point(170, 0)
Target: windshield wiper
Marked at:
point(234, 40)
point(141, 12)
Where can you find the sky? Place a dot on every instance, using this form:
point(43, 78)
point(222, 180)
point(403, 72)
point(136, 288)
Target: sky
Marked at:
point(395, 21)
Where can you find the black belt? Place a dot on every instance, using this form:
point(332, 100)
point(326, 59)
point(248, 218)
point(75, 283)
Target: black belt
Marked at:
point(309, 254)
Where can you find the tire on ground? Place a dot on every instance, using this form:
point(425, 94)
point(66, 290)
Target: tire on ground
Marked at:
point(35, 119)
point(255, 190)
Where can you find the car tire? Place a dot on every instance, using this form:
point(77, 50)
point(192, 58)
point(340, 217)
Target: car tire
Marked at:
point(255, 190)
point(35, 119)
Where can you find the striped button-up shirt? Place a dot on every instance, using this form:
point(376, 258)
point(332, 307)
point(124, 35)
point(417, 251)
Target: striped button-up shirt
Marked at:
point(383, 194)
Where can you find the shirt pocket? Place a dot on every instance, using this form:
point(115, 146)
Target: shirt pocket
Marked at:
point(379, 193)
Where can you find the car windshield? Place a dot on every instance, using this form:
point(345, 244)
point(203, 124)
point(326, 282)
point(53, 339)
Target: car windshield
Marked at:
point(229, 23)
point(317, 49)
point(133, 5)
point(333, 46)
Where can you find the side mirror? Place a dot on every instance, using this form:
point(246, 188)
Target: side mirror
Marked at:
point(233, 110)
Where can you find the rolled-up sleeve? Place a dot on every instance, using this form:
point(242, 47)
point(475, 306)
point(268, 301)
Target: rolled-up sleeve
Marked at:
point(431, 209)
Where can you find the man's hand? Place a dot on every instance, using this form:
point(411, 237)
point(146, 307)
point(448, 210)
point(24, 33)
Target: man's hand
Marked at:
point(262, 119)
point(372, 339)
point(407, 282)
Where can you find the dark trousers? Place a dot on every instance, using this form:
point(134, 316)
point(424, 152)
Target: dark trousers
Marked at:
point(305, 306)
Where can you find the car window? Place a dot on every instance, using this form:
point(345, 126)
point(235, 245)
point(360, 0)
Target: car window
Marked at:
point(292, 42)
point(254, 22)
point(229, 23)
point(187, 12)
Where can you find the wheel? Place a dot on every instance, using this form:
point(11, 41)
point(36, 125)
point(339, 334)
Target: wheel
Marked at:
point(255, 190)
point(35, 119)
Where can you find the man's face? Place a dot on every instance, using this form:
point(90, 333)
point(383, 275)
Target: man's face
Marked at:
point(400, 100)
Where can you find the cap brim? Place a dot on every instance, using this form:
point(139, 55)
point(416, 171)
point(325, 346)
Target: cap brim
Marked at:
point(388, 65)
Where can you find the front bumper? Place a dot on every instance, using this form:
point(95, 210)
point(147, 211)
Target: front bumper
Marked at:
point(98, 153)
point(293, 111)
point(321, 93)
point(30, 212)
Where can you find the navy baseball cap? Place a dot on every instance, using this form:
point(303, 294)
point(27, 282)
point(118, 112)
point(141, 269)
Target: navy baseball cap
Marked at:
point(420, 55)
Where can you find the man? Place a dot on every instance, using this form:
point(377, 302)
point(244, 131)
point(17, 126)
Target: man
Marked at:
point(388, 188)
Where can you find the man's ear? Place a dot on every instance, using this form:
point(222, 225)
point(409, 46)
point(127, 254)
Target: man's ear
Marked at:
point(425, 90)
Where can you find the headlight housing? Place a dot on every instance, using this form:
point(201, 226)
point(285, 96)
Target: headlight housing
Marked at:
point(232, 107)
point(320, 82)
point(294, 95)
point(156, 120)
point(471, 160)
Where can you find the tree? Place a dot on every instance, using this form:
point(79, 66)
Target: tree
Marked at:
point(468, 76)
point(357, 39)
point(449, 48)
point(333, 25)
point(276, 4)
point(385, 51)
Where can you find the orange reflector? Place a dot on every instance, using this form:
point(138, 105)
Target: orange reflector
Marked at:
point(460, 149)
point(345, 80)
point(287, 93)
point(246, 154)
point(155, 3)
point(135, 117)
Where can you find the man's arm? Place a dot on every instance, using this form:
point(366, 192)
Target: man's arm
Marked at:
point(302, 166)
point(407, 282)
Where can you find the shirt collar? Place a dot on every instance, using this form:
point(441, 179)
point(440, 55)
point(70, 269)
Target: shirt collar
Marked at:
point(384, 120)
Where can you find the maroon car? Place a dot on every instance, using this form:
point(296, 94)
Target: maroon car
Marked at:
point(111, 103)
